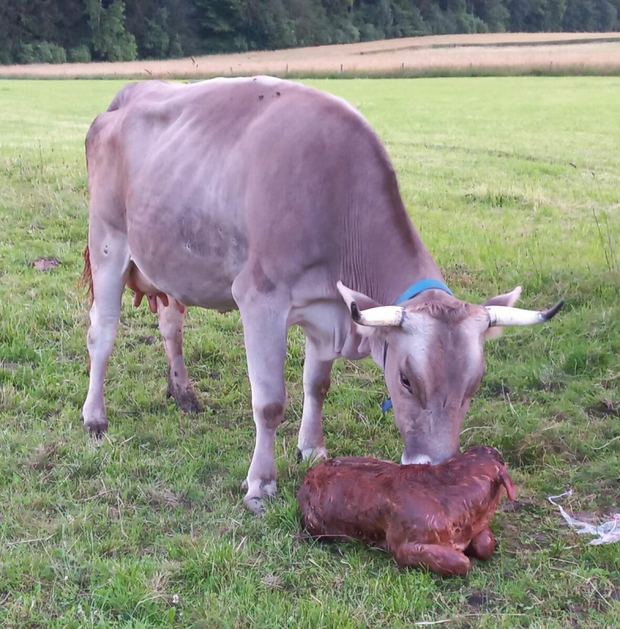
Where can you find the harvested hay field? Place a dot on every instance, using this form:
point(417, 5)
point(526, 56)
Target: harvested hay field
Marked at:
point(499, 53)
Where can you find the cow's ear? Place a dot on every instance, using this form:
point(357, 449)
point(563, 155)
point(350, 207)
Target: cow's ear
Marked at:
point(507, 299)
point(353, 299)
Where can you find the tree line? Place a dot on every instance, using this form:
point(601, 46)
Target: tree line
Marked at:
point(55, 31)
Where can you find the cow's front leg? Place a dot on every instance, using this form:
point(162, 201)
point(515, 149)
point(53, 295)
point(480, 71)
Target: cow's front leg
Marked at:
point(265, 328)
point(311, 443)
point(171, 319)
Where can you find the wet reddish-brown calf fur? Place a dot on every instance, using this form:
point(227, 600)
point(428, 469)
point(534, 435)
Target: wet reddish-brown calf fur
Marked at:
point(425, 515)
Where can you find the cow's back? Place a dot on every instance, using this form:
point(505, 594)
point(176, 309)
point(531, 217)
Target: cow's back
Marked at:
point(213, 173)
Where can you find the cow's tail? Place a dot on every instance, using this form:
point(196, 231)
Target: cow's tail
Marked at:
point(86, 281)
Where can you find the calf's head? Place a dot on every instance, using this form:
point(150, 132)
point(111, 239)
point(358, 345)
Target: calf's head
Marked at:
point(432, 352)
point(488, 461)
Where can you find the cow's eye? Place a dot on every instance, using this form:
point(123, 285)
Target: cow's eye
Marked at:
point(405, 381)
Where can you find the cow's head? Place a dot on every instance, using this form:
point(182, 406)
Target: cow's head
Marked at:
point(431, 348)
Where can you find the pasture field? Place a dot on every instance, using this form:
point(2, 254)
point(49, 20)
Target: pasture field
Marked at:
point(434, 55)
point(510, 181)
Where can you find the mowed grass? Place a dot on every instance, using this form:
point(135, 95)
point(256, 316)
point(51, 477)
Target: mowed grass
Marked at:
point(510, 181)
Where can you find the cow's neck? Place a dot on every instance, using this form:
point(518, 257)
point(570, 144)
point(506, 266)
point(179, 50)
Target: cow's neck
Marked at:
point(387, 257)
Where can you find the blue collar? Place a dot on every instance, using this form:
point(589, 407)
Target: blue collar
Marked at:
point(410, 293)
point(421, 286)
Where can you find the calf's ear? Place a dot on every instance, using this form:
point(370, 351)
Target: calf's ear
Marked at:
point(507, 299)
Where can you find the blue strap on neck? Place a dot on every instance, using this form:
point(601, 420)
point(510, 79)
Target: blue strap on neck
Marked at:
point(410, 293)
point(421, 286)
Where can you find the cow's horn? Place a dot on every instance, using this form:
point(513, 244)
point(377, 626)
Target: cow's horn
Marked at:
point(505, 315)
point(391, 316)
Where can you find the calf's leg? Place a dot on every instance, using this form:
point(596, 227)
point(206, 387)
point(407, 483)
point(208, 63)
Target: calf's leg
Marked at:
point(440, 559)
point(311, 443)
point(171, 319)
point(264, 317)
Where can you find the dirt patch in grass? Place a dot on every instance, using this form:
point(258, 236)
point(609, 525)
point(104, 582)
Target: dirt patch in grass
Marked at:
point(605, 408)
point(43, 458)
point(520, 506)
point(45, 264)
point(480, 600)
point(168, 499)
point(535, 446)
point(9, 366)
point(552, 382)
point(495, 389)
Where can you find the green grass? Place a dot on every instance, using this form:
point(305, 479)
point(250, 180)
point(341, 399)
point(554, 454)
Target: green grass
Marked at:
point(509, 180)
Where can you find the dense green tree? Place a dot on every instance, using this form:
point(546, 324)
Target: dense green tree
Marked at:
point(79, 54)
point(157, 41)
point(110, 40)
point(606, 15)
point(221, 23)
point(494, 13)
point(268, 25)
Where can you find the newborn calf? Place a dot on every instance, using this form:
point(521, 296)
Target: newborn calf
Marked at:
point(425, 515)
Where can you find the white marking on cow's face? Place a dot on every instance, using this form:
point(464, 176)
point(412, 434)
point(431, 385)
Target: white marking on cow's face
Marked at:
point(434, 366)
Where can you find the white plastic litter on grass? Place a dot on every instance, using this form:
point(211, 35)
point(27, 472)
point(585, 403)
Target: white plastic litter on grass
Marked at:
point(606, 533)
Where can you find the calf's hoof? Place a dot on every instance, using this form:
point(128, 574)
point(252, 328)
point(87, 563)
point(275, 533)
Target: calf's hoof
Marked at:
point(312, 454)
point(482, 546)
point(184, 397)
point(254, 500)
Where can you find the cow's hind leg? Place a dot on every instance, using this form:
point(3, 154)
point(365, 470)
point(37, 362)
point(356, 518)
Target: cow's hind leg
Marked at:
point(109, 259)
point(171, 319)
point(440, 559)
point(311, 443)
point(264, 316)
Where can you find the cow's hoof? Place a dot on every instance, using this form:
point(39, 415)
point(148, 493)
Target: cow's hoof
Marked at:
point(255, 504)
point(185, 398)
point(312, 454)
point(268, 488)
point(95, 425)
point(254, 501)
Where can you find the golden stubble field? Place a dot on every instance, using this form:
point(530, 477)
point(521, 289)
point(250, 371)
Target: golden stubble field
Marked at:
point(513, 52)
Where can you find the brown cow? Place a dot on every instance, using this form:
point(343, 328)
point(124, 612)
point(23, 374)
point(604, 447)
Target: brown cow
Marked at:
point(424, 515)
